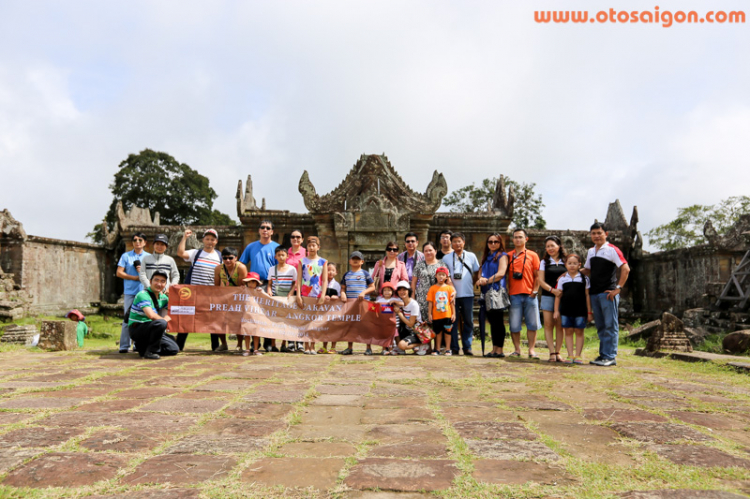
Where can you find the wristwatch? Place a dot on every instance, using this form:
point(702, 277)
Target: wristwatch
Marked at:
point(618, 287)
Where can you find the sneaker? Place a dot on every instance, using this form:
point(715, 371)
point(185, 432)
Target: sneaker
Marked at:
point(258, 352)
point(308, 352)
point(469, 353)
point(123, 351)
point(604, 362)
point(368, 352)
point(313, 352)
point(348, 351)
point(221, 348)
point(284, 350)
point(246, 353)
point(422, 349)
point(151, 356)
point(594, 362)
point(274, 349)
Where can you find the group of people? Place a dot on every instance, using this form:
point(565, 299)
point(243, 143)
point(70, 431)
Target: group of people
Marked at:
point(428, 290)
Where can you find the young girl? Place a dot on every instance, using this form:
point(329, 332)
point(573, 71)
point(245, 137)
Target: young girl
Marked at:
point(442, 310)
point(252, 281)
point(387, 302)
point(573, 306)
point(409, 315)
point(282, 281)
point(81, 328)
point(332, 293)
point(313, 280)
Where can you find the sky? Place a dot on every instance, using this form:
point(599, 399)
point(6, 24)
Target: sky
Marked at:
point(656, 117)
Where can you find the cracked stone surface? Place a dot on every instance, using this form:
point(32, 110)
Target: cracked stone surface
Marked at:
point(486, 430)
point(699, 455)
point(519, 473)
point(318, 473)
point(181, 469)
point(65, 469)
point(511, 449)
point(402, 475)
point(659, 432)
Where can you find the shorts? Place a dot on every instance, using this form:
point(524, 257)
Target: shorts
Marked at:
point(548, 303)
point(573, 322)
point(410, 339)
point(523, 307)
point(442, 325)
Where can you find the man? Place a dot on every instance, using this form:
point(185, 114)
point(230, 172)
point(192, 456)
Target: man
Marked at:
point(463, 267)
point(523, 287)
point(259, 256)
point(128, 269)
point(159, 260)
point(412, 255)
point(201, 273)
point(445, 244)
point(146, 325)
point(602, 263)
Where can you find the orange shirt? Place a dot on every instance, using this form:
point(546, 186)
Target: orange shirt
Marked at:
point(516, 264)
point(441, 298)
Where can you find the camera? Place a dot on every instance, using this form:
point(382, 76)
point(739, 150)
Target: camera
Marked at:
point(457, 275)
point(136, 263)
point(518, 275)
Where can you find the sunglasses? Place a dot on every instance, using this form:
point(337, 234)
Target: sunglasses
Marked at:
point(393, 250)
point(265, 227)
point(227, 258)
point(411, 242)
point(138, 240)
point(493, 242)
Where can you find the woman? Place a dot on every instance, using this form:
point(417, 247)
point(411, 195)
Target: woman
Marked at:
point(389, 269)
point(297, 252)
point(551, 268)
point(229, 273)
point(494, 265)
point(423, 276)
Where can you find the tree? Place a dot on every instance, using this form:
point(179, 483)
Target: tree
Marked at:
point(155, 180)
point(527, 212)
point(687, 229)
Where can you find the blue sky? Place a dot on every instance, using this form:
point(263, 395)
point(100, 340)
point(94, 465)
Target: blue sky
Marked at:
point(657, 117)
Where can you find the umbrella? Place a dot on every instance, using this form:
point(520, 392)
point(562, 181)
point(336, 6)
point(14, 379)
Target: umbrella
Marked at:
point(482, 317)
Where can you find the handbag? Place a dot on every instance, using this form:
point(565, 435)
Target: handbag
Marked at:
point(496, 299)
point(424, 332)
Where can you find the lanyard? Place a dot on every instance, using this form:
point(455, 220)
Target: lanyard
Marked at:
point(515, 255)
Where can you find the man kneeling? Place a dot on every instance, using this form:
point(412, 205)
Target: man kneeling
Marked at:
point(147, 327)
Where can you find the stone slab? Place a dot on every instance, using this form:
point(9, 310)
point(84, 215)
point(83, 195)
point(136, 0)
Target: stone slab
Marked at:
point(680, 494)
point(540, 405)
point(456, 414)
point(10, 458)
point(192, 406)
point(345, 400)
point(414, 450)
point(511, 449)
point(397, 416)
point(146, 393)
point(276, 396)
point(342, 389)
point(13, 417)
point(713, 421)
point(210, 444)
point(623, 415)
point(318, 449)
point(590, 442)
point(659, 432)
point(402, 475)
point(65, 469)
point(37, 436)
point(228, 427)
point(699, 455)
point(411, 433)
point(487, 430)
point(351, 433)
point(331, 415)
point(519, 473)
point(223, 386)
point(155, 422)
point(159, 493)
point(181, 469)
point(41, 403)
point(257, 410)
point(318, 473)
point(111, 405)
point(552, 417)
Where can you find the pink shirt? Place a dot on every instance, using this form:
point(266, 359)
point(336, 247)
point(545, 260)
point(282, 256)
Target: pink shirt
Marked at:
point(294, 258)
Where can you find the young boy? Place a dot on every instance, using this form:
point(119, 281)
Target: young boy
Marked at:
point(356, 284)
point(282, 281)
point(252, 281)
point(442, 310)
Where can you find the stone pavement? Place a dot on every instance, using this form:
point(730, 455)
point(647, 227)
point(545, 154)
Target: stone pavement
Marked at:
point(97, 424)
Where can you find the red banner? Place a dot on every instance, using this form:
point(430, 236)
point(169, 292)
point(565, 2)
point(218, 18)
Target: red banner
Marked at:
point(244, 311)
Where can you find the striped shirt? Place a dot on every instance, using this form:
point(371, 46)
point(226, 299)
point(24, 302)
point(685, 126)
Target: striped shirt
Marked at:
point(143, 300)
point(282, 281)
point(356, 282)
point(203, 271)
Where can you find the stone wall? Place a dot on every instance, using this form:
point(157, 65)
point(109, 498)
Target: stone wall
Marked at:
point(679, 280)
point(58, 275)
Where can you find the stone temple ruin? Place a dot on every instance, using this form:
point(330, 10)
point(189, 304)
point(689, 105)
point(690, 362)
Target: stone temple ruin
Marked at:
point(371, 206)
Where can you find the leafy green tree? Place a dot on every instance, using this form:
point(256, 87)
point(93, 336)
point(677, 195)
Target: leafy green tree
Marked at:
point(687, 229)
point(157, 181)
point(527, 212)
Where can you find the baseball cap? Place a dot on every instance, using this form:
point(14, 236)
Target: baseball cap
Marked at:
point(403, 284)
point(443, 270)
point(161, 238)
point(211, 232)
point(357, 254)
point(161, 273)
point(388, 284)
point(252, 276)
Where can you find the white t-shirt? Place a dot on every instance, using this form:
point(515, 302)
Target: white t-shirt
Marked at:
point(282, 281)
point(203, 271)
point(412, 310)
point(332, 284)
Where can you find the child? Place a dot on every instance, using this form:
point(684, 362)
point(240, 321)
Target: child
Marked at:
point(356, 284)
point(252, 281)
point(572, 306)
point(387, 302)
point(282, 280)
point(409, 315)
point(81, 329)
point(229, 273)
point(313, 280)
point(442, 310)
point(332, 293)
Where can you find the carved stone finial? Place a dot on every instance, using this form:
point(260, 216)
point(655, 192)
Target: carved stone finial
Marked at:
point(134, 216)
point(309, 195)
point(733, 239)
point(246, 201)
point(502, 205)
point(436, 189)
point(11, 227)
point(263, 204)
point(616, 217)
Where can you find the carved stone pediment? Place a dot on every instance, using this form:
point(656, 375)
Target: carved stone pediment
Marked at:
point(373, 176)
point(10, 227)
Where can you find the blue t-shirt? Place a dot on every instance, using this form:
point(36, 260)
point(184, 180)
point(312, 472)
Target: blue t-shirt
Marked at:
point(126, 262)
point(356, 282)
point(465, 285)
point(261, 257)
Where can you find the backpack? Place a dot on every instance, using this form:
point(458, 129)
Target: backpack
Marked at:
point(189, 275)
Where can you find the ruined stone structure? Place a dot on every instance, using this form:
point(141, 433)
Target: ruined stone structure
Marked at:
point(670, 335)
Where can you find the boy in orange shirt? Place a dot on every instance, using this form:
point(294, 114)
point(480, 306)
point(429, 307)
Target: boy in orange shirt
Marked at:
point(442, 310)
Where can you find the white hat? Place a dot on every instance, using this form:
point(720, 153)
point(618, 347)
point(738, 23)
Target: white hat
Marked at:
point(403, 284)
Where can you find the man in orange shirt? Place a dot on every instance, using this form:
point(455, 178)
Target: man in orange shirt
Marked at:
point(523, 285)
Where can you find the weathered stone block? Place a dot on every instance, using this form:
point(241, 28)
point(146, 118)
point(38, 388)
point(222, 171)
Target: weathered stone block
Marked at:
point(23, 335)
point(58, 335)
point(737, 342)
point(645, 331)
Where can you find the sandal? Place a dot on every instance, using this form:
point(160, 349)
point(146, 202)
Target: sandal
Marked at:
point(578, 361)
point(559, 359)
point(322, 350)
point(569, 360)
point(534, 356)
point(448, 353)
point(246, 353)
point(514, 354)
point(368, 352)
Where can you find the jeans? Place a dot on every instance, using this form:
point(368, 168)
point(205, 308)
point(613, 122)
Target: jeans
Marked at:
point(464, 314)
point(182, 338)
point(607, 327)
point(147, 336)
point(125, 333)
point(524, 307)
